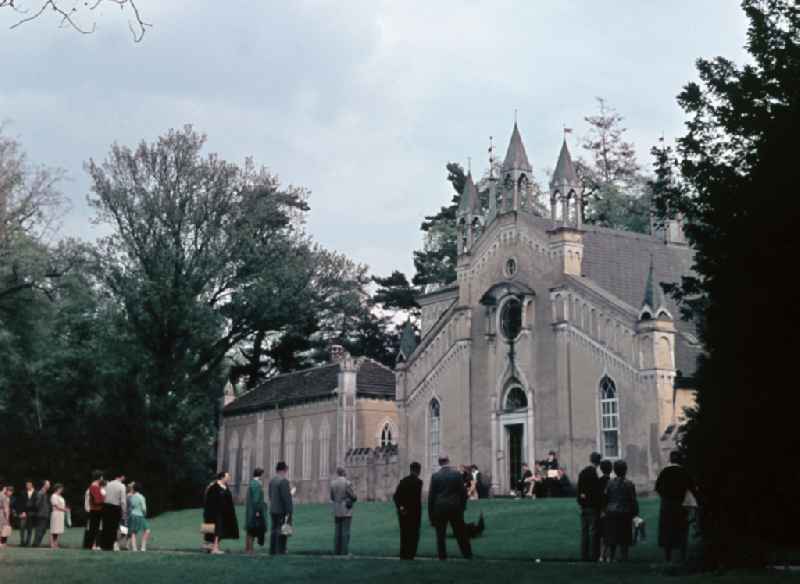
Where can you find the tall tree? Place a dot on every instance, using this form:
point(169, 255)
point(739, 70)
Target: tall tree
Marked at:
point(613, 191)
point(736, 192)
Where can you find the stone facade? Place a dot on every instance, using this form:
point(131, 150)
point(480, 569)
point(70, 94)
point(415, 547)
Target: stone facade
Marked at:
point(555, 336)
point(310, 419)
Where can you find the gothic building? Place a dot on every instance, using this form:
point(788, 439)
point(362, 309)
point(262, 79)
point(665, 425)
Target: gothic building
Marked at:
point(555, 336)
point(312, 419)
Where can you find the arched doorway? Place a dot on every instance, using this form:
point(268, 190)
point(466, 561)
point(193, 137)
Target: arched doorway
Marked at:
point(516, 431)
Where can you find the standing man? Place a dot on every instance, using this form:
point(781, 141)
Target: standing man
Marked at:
point(26, 509)
point(256, 512)
point(281, 508)
point(96, 500)
point(447, 501)
point(408, 500)
point(550, 468)
point(343, 499)
point(590, 501)
point(114, 507)
point(42, 513)
point(672, 485)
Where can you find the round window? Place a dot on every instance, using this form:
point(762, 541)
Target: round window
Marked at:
point(511, 318)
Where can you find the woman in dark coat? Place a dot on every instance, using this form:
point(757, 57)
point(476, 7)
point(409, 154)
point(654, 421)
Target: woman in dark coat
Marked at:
point(621, 506)
point(220, 511)
point(673, 519)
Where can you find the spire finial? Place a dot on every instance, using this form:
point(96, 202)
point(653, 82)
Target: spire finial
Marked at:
point(469, 165)
point(515, 116)
point(566, 131)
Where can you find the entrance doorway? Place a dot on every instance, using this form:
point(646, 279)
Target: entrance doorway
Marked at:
point(516, 451)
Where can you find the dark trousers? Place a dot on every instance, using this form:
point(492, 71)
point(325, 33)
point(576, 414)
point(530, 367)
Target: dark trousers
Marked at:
point(409, 537)
point(112, 515)
point(91, 537)
point(341, 538)
point(26, 527)
point(590, 534)
point(277, 542)
point(456, 519)
point(42, 525)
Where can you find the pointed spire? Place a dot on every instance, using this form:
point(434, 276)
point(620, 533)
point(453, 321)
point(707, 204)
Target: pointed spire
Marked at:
point(408, 343)
point(654, 305)
point(516, 157)
point(565, 170)
point(469, 203)
point(229, 394)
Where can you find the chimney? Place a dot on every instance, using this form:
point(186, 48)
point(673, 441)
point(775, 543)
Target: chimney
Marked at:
point(337, 353)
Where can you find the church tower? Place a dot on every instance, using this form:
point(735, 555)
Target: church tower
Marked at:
point(468, 216)
point(566, 238)
point(515, 177)
point(655, 332)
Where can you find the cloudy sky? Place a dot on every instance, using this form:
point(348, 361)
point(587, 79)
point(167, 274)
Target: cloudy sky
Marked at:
point(361, 102)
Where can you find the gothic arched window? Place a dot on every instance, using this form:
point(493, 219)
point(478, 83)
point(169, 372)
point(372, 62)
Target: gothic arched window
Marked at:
point(435, 430)
point(511, 318)
point(308, 437)
point(324, 449)
point(516, 400)
point(387, 439)
point(609, 418)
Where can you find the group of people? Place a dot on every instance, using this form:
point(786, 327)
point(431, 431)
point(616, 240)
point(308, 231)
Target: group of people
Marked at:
point(116, 511)
point(546, 479)
point(473, 482)
point(447, 501)
point(610, 509)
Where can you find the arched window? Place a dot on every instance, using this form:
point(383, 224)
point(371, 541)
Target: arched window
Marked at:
point(435, 429)
point(511, 318)
point(274, 447)
point(247, 441)
point(609, 418)
point(233, 457)
point(515, 400)
point(324, 449)
point(308, 437)
point(291, 439)
point(387, 438)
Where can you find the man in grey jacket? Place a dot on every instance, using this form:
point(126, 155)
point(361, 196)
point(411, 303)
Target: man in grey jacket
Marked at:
point(42, 513)
point(447, 501)
point(343, 499)
point(281, 508)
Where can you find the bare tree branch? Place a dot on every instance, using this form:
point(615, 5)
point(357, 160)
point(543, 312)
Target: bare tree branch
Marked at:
point(71, 17)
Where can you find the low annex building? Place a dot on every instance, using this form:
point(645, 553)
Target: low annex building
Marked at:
point(555, 336)
point(312, 419)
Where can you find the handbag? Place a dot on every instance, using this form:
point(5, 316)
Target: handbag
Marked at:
point(208, 528)
point(287, 530)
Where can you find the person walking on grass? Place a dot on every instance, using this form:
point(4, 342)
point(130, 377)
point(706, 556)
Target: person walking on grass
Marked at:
point(343, 499)
point(6, 493)
point(114, 509)
point(42, 513)
point(95, 502)
point(137, 518)
point(447, 501)
point(408, 501)
point(672, 485)
point(590, 500)
point(255, 512)
point(621, 506)
point(281, 509)
point(26, 510)
point(219, 510)
point(58, 516)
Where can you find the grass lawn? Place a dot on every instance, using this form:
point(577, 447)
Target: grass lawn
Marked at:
point(517, 532)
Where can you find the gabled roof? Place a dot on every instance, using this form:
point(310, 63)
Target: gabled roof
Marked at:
point(317, 383)
point(565, 170)
point(516, 157)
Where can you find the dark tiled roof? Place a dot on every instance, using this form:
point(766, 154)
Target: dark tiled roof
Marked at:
point(289, 388)
point(375, 380)
point(372, 380)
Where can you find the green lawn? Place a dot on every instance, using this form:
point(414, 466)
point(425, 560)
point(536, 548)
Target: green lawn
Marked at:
point(517, 533)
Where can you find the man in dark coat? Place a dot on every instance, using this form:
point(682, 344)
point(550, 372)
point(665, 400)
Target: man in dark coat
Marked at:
point(281, 508)
point(590, 500)
point(408, 500)
point(26, 510)
point(673, 518)
point(220, 511)
point(42, 513)
point(447, 500)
